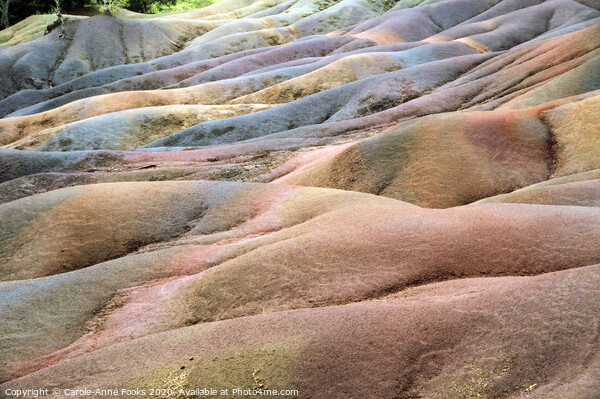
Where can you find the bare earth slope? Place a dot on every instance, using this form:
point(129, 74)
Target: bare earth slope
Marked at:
point(342, 198)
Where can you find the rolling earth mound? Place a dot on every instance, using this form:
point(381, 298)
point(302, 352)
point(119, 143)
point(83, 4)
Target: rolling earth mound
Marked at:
point(339, 198)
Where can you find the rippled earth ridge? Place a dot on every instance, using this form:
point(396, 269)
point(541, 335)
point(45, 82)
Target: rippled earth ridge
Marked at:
point(348, 199)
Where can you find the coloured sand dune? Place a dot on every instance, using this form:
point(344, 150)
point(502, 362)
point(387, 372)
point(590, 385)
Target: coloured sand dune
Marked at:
point(322, 198)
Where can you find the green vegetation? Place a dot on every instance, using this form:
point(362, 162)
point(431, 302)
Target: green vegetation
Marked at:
point(110, 6)
point(13, 11)
point(161, 6)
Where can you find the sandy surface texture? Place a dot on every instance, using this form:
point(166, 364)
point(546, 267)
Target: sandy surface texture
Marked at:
point(320, 198)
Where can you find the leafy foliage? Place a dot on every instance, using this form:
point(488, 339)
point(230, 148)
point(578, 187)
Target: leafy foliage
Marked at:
point(21, 9)
point(177, 5)
point(160, 6)
point(110, 6)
